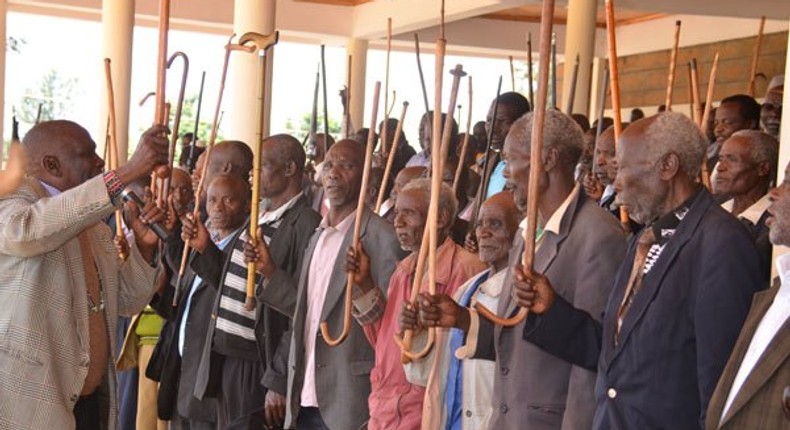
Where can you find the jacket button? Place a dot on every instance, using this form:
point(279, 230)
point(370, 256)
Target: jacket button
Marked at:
point(505, 370)
point(612, 393)
point(469, 413)
point(74, 398)
point(503, 408)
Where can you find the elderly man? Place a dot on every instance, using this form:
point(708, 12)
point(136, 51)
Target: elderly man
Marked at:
point(63, 285)
point(747, 163)
point(230, 157)
point(573, 229)
point(404, 177)
point(679, 299)
point(510, 106)
point(771, 110)
point(328, 387)
point(458, 392)
point(394, 402)
point(738, 112)
point(753, 382)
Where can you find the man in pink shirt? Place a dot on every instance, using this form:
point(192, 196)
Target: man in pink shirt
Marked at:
point(394, 402)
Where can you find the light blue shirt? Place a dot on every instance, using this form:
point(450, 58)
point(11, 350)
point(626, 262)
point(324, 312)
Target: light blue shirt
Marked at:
point(182, 327)
point(496, 182)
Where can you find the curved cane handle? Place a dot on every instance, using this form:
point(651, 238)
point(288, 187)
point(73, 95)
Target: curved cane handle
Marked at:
point(346, 319)
point(260, 41)
point(496, 319)
point(405, 345)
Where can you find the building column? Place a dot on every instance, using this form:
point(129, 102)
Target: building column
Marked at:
point(242, 114)
point(784, 150)
point(358, 50)
point(596, 80)
point(117, 39)
point(3, 47)
point(579, 39)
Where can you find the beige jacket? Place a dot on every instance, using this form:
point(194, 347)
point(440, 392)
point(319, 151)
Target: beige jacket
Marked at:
point(43, 301)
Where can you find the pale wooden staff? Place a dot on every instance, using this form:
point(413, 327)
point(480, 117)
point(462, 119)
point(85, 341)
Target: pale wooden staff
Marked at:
point(261, 43)
point(673, 60)
point(529, 69)
point(113, 151)
point(328, 338)
point(755, 58)
point(692, 111)
point(347, 104)
point(464, 147)
point(697, 114)
point(164, 190)
point(553, 71)
point(574, 79)
point(209, 147)
point(438, 159)
point(384, 130)
point(536, 153)
point(390, 159)
point(512, 74)
point(160, 116)
point(419, 69)
point(705, 175)
point(326, 106)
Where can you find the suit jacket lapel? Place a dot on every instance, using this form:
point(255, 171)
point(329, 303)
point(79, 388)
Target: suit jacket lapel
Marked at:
point(651, 283)
point(337, 283)
point(774, 355)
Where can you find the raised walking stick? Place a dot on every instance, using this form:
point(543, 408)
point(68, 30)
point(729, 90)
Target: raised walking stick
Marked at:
point(512, 74)
point(209, 146)
point(438, 159)
point(697, 114)
point(536, 151)
point(193, 144)
point(673, 60)
point(529, 69)
point(164, 190)
point(465, 146)
point(261, 43)
point(483, 187)
point(419, 69)
point(390, 160)
point(553, 72)
point(347, 102)
point(705, 175)
point(574, 79)
point(755, 58)
point(326, 108)
point(385, 130)
point(113, 151)
point(328, 338)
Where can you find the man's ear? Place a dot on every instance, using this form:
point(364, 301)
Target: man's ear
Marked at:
point(290, 168)
point(51, 165)
point(550, 159)
point(669, 166)
point(764, 168)
point(444, 221)
point(227, 168)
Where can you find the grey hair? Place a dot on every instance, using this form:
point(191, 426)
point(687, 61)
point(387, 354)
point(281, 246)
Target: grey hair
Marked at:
point(560, 132)
point(447, 200)
point(763, 146)
point(672, 132)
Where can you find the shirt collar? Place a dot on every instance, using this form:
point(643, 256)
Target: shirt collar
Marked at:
point(754, 212)
point(553, 225)
point(52, 191)
point(343, 226)
point(445, 255)
point(222, 243)
point(267, 216)
point(608, 191)
point(664, 228)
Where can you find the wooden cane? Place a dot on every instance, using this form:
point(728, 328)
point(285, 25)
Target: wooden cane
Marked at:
point(464, 147)
point(692, 111)
point(113, 152)
point(419, 69)
point(326, 106)
point(384, 130)
point(529, 69)
point(164, 190)
point(755, 58)
point(390, 160)
point(328, 338)
point(695, 91)
point(193, 144)
point(261, 43)
point(161, 66)
point(438, 159)
point(536, 153)
point(553, 71)
point(673, 60)
point(512, 74)
point(209, 147)
point(705, 174)
point(574, 79)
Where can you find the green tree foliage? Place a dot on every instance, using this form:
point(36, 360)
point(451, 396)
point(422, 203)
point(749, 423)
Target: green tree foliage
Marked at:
point(53, 98)
point(302, 129)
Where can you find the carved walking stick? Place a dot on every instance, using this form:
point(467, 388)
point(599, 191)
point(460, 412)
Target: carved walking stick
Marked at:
point(673, 60)
point(465, 146)
point(113, 152)
point(390, 159)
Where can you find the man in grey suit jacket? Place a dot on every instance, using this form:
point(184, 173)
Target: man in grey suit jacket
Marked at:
point(579, 248)
point(59, 311)
point(751, 388)
point(328, 387)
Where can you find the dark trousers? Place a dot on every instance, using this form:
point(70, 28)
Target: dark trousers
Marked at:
point(87, 412)
point(180, 423)
point(310, 419)
point(242, 394)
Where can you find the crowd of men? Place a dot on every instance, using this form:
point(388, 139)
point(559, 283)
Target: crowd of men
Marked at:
point(667, 321)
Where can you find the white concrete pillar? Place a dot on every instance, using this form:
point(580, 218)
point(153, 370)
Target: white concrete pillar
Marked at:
point(596, 81)
point(784, 147)
point(579, 39)
point(358, 50)
point(117, 40)
point(3, 10)
point(242, 110)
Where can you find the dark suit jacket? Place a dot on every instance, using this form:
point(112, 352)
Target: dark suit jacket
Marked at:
point(342, 372)
point(678, 333)
point(532, 388)
point(758, 404)
point(286, 248)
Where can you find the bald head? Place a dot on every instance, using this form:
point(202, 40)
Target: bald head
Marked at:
point(406, 175)
point(285, 149)
point(231, 157)
point(61, 153)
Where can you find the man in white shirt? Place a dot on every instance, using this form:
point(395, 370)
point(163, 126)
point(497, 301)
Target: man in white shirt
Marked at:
point(749, 392)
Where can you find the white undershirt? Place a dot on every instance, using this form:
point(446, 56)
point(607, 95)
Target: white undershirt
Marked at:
point(773, 320)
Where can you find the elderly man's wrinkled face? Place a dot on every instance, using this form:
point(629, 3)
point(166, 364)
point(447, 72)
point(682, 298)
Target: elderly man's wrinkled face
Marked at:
point(181, 190)
point(779, 211)
point(505, 116)
point(411, 211)
point(516, 172)
point(494, 235)
point(771, 112)
point(638, 184)
point(605, 166)
point(737, 173)
point(342, 173)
